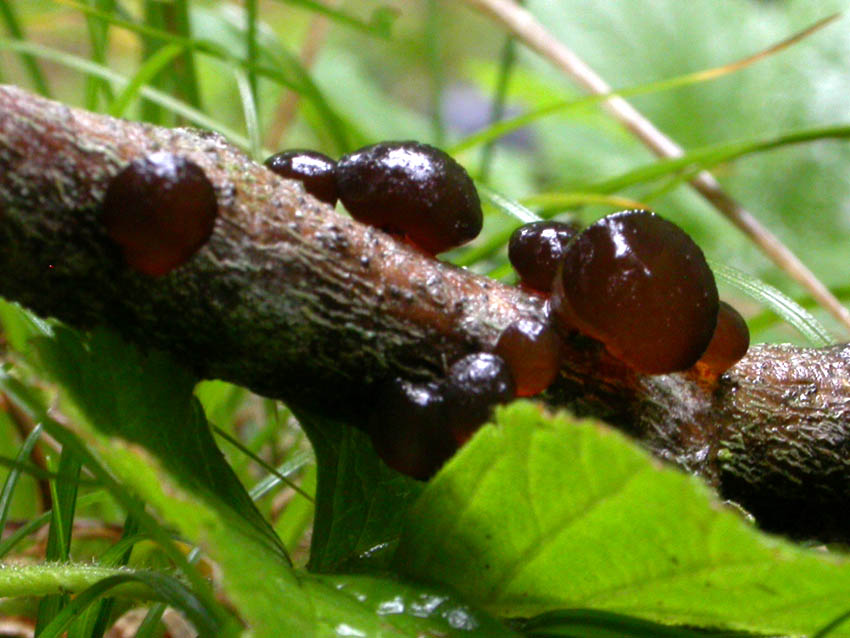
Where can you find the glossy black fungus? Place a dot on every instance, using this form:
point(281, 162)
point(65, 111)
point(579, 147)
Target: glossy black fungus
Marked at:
point(537, 249)
point(532, 351)
point(317, 172)
point(730, 341)
point(640, 285)
point(474, 385)
point(160, 210)
point(411, 189)
point(408, 428)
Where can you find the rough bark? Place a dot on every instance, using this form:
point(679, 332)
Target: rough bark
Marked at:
point(297, 302)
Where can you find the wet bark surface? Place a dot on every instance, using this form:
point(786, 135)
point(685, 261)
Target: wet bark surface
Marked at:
point(297, 302)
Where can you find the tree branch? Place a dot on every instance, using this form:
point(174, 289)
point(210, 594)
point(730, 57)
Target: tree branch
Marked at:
point(296, 302)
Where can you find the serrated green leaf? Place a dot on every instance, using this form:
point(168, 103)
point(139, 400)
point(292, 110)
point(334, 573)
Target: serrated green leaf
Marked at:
point(541, 513)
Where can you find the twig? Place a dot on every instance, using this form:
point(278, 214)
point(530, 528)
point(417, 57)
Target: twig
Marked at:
point(296, 302)
point(530, 31)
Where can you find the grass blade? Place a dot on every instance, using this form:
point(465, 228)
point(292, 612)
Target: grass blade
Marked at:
point(15, 473)
point(249, 110)
point(164, 587)
point(20, 396)
point(98, 30)
point(150, 69)
point(13, 26)
point(708, 156)
point(251, 49)
point(117, 555)
point(507, 206)
point(85, 66)
point(185, 72)
point(35, 524)
point(277, 475)
point(781, 304)
point(497, 108)
point(435, 71)
point(380, 24)
point(64, 494)
point(500, 129)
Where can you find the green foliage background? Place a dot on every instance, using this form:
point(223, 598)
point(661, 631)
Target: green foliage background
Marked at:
point(539, 516)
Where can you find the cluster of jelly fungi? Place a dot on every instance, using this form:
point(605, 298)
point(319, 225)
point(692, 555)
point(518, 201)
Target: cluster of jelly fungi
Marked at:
point(407, 189)
point(637, 284)
point(632, 281)
point(416, 427)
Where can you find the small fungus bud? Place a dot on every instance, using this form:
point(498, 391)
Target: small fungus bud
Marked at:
point(408, 428)
point(317, 172)
point(474, 385)
point(729, 343)
point(532, 351)
point(537, 249)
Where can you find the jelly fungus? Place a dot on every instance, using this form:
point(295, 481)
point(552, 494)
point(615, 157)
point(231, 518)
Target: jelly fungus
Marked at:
point(730, 341)
point(532, 351)
point(536, 250)
point(640, 285)
point(474, 385)
point(411, 189)
point(160, 210)
point(317, 172)
point(408, 429)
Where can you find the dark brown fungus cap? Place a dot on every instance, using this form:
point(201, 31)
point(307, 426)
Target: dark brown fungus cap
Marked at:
point(536, 251)
point(730, 341)
point(160, 210)
point(640, 285)
point(411, 189)
point(317, 172)
point(532, 351)
point(408, 428)
point(474, 385)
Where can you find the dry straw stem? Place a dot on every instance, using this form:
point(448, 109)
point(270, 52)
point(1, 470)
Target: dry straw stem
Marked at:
point(298, 302)
point(530, 31)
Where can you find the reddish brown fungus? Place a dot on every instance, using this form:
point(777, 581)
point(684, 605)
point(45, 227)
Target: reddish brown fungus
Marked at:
point(640, 285)
point(474, 385)
point(536, 250)
point(532, 351)
point(729, 343)
point(408, 428)
point(411, 189)
point(160, 210)
point(316, 171)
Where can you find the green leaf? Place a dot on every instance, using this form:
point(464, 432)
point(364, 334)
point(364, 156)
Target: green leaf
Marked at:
point(386, 607)
point(360, 502)
point(137, 413)
point(542, 513)
point(589, 623)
